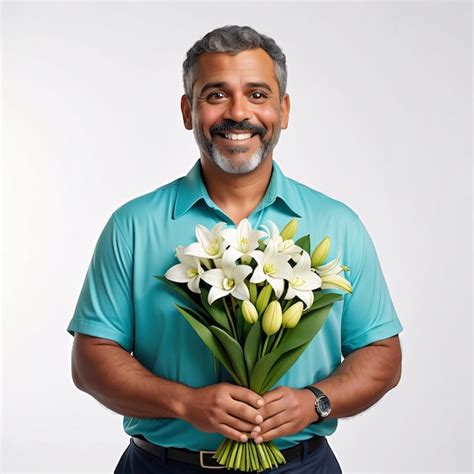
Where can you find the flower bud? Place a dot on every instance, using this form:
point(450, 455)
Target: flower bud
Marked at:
point(320, 252)
point(291, 317)
point(335, 282)
point(289, 231)
point(271, 321)
point(253, 292)
point(249, 312)
point(263, 298)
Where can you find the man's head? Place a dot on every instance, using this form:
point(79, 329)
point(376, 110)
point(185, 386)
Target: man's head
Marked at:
point(235, 97)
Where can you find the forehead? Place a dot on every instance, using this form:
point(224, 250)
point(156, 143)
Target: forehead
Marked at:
point(253, 65)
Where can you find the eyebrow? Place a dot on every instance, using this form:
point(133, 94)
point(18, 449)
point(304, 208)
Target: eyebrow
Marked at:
point(218, 85)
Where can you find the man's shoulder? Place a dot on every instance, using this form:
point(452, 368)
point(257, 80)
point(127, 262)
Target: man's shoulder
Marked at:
point(312, 199)
point(153, 203)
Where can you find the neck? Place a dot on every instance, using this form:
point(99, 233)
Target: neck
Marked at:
point(237, 195)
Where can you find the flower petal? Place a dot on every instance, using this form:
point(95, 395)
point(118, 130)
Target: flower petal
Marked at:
point(214, 277)
point(307, 297)
point(290, 294)
point(228, 263)
point(258, 275)
point(196, 250)
point(230, 236)
point(312, 281)
point(178, 273)
point(241, 272)
point(277, 284)
point(215, 294)
point(241, 292)
point(193, 285)
point(257, 255)
point(283, 270)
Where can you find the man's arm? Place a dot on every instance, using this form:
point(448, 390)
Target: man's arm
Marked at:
point(361, 380)
point(110, 374)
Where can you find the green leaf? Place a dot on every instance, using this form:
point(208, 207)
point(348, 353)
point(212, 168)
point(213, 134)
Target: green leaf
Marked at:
point(281, 366)
point(216, 311)
point(323, 299)
point(234, 352)
point(185, 294)
point(239, 324)
point(209, 339)
point(303, 333)
point(305, 243)
point(251, 345)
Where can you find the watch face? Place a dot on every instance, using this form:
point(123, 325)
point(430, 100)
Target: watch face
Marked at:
point(324, 408)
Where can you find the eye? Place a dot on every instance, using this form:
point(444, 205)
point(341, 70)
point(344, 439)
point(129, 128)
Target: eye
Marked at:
point(258, 95)
point(216, 96)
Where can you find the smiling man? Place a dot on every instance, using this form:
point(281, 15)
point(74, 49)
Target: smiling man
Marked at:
point(136, 355)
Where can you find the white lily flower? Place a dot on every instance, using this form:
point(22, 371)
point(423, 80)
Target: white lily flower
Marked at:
point(284, 246)
point(188, 271)
point(210, 244)
point(243, 240)
point(228, 280)
point(303, 281)
point(330, 277)
point(272, 267)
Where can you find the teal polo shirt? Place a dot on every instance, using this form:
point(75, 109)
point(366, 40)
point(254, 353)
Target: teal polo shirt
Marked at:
point(122, 301)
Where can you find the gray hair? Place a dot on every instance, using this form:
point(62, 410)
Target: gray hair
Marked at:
point(233, 39)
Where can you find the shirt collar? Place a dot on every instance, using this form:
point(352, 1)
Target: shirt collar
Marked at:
point(192, 189)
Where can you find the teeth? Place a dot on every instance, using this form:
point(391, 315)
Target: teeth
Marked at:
point(238, 136)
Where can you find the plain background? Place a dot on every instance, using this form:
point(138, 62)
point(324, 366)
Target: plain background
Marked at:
point(381, 120)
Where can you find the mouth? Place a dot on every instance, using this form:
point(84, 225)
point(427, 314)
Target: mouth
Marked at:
point(237, 136)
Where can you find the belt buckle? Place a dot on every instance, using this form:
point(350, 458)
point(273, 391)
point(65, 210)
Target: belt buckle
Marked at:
point(201, 460)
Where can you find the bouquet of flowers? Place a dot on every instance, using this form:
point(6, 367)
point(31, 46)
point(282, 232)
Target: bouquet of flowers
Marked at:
point(255, 299)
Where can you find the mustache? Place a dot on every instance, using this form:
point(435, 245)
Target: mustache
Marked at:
point(227, 125)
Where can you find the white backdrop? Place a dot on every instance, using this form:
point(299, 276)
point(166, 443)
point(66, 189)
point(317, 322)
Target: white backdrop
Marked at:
point(381, 103)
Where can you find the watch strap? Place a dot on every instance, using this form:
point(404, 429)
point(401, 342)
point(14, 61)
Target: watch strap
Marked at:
point(317, 393)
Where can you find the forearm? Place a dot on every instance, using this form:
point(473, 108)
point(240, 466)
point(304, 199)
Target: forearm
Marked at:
point(118, 381)
point(363, 378)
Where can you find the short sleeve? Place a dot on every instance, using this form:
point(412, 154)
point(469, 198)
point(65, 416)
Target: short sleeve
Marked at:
point(105, 305)
point(369, 314)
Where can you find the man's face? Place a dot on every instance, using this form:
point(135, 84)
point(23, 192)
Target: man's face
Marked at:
point(236, 114)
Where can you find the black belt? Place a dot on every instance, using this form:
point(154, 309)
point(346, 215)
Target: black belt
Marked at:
point(205, 459)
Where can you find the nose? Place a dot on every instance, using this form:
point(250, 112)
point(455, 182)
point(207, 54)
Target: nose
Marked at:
point(238, 109)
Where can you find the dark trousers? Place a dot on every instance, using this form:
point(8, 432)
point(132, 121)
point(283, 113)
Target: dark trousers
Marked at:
point(137, 461)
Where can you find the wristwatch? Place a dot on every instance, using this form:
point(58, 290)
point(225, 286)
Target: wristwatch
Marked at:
point(322, 405)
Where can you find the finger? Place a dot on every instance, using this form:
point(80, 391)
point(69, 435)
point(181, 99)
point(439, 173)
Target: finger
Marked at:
point(273, 395)
point(273, 408)
point(245, 412)
point(237, 424)
point(232, 433)
point(282, 430)
point(245, 395)
point(273, 422)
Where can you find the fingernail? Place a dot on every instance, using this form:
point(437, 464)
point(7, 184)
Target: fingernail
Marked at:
point(260, 402)
point(259, 440)
point(258, 419)
point(243, 438)
point(257, 429)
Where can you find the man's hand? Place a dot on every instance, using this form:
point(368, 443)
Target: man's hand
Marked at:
point(224, 408)
point(286, 411)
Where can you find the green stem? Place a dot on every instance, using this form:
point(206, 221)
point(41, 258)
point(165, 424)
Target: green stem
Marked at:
point(287, 305)
point(265, 346)
point(234, 311)
point(229, 317)
point(280, 334)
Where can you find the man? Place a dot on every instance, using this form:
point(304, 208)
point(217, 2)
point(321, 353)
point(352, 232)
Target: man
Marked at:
point(175, 403)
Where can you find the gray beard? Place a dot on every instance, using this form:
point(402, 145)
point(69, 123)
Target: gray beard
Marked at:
point(234, 165)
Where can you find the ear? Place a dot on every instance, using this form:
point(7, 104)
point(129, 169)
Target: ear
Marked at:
point(186, 109)
point(285, 111)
